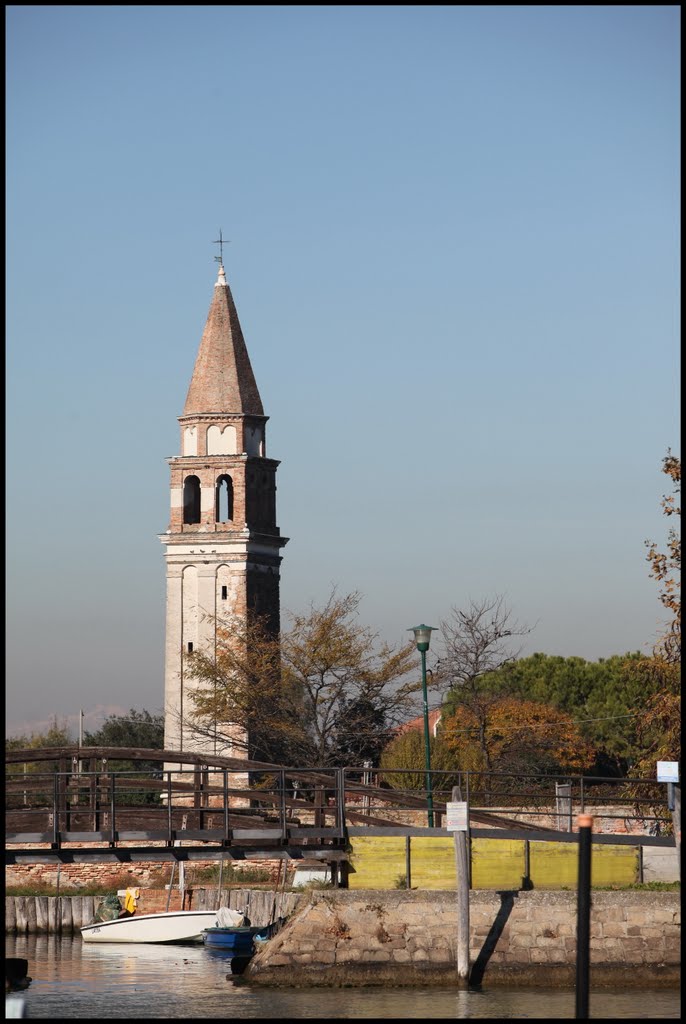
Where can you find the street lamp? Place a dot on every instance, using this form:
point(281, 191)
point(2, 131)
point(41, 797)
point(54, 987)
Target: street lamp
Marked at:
point(422, 637)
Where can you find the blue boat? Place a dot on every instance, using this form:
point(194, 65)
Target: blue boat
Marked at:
point(237, 941)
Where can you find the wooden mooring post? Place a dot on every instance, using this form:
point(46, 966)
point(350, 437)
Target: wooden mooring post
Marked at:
point(462, 873)
point(675, 808)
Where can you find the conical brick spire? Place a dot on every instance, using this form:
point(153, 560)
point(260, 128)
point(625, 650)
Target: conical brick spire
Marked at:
point(223, 380)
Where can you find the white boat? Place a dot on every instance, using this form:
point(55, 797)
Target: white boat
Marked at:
point(168, 926)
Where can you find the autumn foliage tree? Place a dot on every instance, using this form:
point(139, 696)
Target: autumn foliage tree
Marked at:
point(659, 719)
point(325, 692)
point(665, 567)
point(517, 736)
point(601, 696)
point(240, 702)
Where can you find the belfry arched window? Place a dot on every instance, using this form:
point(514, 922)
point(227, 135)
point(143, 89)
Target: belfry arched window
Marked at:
point(224, 499)
point(191, 500)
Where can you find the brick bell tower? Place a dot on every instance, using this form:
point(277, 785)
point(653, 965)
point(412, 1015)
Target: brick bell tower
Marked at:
point(223, 544)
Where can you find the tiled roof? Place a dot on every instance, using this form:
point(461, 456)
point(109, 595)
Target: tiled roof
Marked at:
point(223, 380)
point(418, 723)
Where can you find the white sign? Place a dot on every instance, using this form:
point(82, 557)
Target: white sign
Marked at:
point(667, 771)
point(457, 818)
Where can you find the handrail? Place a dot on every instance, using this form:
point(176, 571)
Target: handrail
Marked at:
point(291, 804)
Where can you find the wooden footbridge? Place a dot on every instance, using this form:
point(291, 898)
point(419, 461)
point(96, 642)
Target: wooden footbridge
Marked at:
point(78, 805)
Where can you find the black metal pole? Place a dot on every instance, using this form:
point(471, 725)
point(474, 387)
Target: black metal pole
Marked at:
point(583, 917)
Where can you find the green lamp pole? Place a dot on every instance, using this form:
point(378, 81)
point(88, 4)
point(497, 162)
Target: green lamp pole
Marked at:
point(422, 636)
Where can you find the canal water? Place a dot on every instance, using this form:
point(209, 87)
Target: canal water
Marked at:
point(75, 979)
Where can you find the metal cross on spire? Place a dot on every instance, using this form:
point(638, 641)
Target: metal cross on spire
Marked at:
point(220, 242)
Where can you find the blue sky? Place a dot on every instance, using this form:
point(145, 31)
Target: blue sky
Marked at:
point(454, 251)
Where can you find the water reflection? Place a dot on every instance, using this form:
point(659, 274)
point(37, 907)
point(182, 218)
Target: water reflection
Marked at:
point(84, 980)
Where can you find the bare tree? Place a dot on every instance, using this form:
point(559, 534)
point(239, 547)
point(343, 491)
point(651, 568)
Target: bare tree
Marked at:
point(477, 641)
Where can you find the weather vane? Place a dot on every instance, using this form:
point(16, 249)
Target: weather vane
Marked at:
point(220, 242)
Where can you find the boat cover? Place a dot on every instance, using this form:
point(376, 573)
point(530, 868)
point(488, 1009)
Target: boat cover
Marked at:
point(228, 918)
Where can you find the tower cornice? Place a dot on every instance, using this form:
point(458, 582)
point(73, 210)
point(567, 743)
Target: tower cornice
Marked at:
point(240, 540)
point(208, 417)
point(217, 461)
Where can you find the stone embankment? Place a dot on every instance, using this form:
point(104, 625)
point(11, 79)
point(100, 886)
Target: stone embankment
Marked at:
point(516, 938)
point(400, 937)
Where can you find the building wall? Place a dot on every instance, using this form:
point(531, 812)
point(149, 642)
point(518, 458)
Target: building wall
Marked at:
point(145, 875)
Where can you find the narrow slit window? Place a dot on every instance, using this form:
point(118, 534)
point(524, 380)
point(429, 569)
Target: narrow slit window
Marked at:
point(225, 593)
point(190, 646)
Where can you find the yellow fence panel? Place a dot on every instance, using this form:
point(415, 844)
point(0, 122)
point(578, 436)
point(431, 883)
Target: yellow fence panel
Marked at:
point(497, 863)
point(379, 862)
point(432, 863)
point(555, 865)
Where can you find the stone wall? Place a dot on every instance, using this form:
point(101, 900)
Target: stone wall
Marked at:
point(409, 938)
point(119, 876)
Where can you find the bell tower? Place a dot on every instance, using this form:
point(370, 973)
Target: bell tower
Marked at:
point(222, 547)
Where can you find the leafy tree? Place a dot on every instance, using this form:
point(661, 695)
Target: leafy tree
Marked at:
point(57, 735)
point(602, 696)
point(407, 753)
point(360, 731)
point(294, 698)
point(135, 729)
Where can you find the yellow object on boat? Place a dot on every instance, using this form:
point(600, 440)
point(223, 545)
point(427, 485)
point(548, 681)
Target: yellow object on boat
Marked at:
point(131, 900)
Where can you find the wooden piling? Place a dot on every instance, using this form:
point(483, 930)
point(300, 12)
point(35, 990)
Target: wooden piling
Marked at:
point(676, 823)
point(462, 872)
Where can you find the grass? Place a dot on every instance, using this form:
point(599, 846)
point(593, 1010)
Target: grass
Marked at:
point(314, 883)
point(229, 876)
point(641, 887)
point(631, 886)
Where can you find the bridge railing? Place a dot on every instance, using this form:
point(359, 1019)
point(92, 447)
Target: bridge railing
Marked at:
point(544, 800)
point(200, 803)
point(280, 805)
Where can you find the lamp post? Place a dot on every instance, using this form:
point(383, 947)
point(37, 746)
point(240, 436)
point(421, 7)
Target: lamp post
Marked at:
point(422, 637)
